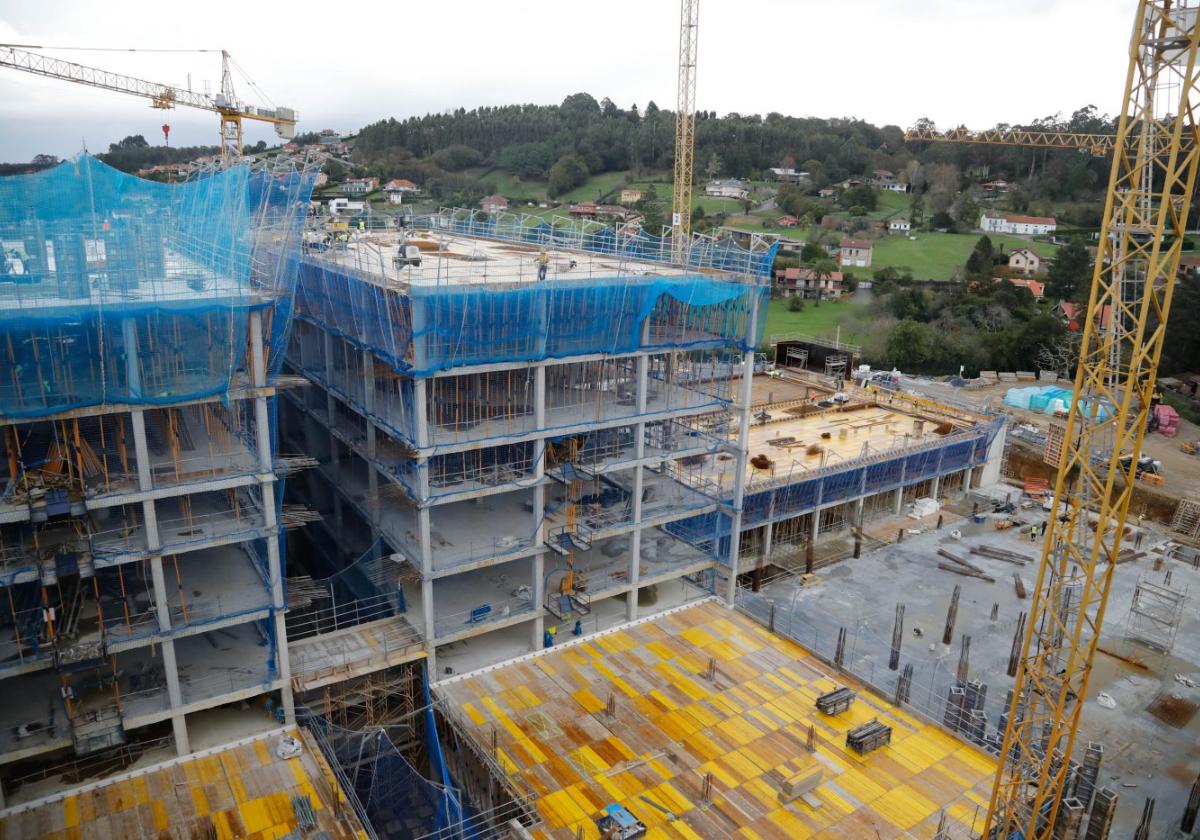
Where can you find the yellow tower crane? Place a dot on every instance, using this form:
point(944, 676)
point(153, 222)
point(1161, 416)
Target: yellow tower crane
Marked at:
point(685, 129)
point(1098, 144)
point(225, 104)
point(1152, 180)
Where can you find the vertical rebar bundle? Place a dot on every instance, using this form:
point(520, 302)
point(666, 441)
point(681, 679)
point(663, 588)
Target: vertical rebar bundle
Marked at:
point(897, 638)
point(964, 659)
point(1143, 829)
point(839, 654)
point(951, 616)
point(1014, 657)
point(1190, 811)
point(904, 684)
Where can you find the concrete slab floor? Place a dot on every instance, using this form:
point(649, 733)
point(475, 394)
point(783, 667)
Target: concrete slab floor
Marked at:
point(1144, 756)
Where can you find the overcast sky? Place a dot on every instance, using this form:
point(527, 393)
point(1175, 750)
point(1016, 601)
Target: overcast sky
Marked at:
point(345, 64)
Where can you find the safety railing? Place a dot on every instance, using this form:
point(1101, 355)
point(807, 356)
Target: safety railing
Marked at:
point(340, 615)
point(487, 612)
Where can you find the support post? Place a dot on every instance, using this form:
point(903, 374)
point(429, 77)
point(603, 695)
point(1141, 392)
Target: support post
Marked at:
point(635, 539)
point(743, 447)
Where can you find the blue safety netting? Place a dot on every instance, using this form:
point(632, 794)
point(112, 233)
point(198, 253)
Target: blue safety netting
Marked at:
point(628, 242)
point(118, 290)
point(811, 490)
point(426, 329)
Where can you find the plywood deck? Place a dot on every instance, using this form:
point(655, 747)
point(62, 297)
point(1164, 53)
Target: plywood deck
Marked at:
point(242, 791)
point(673, 726)
point(875, 427)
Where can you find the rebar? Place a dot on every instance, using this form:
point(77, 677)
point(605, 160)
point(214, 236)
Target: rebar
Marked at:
point(951, 616)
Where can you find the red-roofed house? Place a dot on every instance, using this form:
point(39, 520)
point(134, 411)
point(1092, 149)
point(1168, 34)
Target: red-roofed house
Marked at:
point(805, 283)
point(494, 204)
point(1036, 287)
point(1072, 314)
point(991, 222)
point(396, 189)
point(787, 221)
point(855, 253)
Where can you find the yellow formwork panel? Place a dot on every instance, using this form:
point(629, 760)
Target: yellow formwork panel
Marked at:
point(904, 807)
point(748, 730)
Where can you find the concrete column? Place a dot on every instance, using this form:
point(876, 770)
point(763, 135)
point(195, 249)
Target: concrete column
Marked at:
point(421, 411)
point(933, 488)
point(153, 542)
point(899, 500)
point(335, 458)
point(639, 452)
point(743, 454)
point(815, 527)
point(262, 429)
point(371, 446)
point(537, 626)
point(429, 631)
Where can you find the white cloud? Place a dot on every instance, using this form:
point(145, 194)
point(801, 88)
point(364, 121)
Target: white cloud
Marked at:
point(975, 62)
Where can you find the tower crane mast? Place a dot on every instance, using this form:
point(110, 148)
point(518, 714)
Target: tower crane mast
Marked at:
point(231, 110)
point(685, 128)
point(1151, 183)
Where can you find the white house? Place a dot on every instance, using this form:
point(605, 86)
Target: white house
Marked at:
point(788, 175)
point(730, 188)
point(360, 186)
point(345, 207)
point(991, 222)
point(899, 226)
point(1025, 261)
point(397, 188)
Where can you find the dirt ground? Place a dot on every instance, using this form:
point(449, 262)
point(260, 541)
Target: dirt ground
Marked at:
point(1180, 470)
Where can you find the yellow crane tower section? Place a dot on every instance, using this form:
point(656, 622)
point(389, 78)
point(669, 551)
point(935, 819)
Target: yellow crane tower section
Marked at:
point(231, 110)
point(685, 128)
point(1150, 188)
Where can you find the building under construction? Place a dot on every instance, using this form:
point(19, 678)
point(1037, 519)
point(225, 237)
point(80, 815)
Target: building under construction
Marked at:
point(141, 543)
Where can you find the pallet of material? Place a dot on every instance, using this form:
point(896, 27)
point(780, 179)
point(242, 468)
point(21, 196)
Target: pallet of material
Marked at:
point(836, 701)
point(870, 736)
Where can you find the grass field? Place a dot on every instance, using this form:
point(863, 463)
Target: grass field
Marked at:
point(514, 188)
point(938, 256)
point(822, 320)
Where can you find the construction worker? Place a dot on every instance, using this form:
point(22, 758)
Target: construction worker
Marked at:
point(1033, 531)
point(543, 263)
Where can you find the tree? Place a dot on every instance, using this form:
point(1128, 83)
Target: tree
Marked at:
point(795, 303)
point(1070, 275)
point(133, 141)
point(979, 264)
point(526, 160)
point(1061, 354)
point(45, 161)
point(457, 157)
point(909, 346)
point(864, 195)
point(941, 186)
point(812, 252)
point(916, 212)
point(567, 173)
point(713, 168)
point(652, 210)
